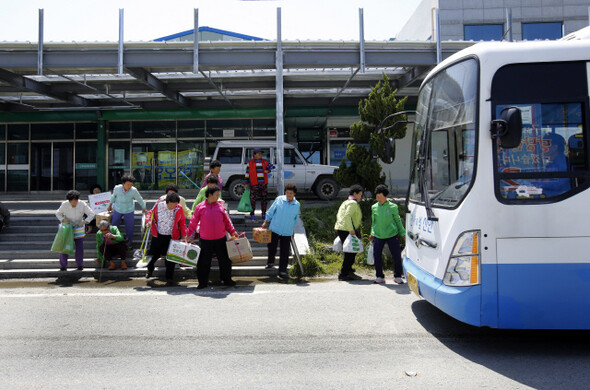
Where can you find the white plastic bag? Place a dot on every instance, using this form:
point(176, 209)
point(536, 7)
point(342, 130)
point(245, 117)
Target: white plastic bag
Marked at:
point(337, 246)
point(352, 244)
point(370, 256)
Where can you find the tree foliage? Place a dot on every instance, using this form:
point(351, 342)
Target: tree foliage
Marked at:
point(364, 168)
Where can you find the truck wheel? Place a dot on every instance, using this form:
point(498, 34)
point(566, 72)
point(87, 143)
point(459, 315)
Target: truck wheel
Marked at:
point(236, 189)
point(327, 189)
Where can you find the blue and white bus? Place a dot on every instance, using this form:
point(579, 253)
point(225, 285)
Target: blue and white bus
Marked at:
point(498, 213)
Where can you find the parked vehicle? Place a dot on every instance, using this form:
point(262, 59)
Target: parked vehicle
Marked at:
point(235, 155)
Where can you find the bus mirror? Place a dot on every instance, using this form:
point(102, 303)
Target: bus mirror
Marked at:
point(508, 129)
point(389, 150)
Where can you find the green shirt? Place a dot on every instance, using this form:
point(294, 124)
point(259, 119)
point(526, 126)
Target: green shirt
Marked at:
point(201, 197)
point(349, 214)
point(386, 222)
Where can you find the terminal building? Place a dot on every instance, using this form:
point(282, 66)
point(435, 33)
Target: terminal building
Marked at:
point(76, 114)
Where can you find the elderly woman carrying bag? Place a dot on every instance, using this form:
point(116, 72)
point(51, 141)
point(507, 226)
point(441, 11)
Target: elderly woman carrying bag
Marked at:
point(348, 221)
point(167, 222)
point(214, 224)
point(72, 210)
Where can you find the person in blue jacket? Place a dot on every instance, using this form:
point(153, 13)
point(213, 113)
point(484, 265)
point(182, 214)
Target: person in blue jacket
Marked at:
point(123, 205)
point(282, 217)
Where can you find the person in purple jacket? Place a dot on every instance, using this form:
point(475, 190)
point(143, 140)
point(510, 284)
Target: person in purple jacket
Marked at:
point(214, 223)
point(214, 168)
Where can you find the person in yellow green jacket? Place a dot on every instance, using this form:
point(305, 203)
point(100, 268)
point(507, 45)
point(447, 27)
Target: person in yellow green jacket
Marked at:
point(109, 243)
point(348, 221)
point(387, 228)
point(212, 180)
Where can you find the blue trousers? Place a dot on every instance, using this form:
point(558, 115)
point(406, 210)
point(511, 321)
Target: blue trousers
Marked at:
point(396, 252)
point(129, 224)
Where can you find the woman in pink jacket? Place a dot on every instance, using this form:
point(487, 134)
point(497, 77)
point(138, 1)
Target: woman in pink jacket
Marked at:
point(214, 223)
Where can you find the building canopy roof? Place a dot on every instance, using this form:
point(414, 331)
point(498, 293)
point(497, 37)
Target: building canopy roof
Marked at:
point(238, 74)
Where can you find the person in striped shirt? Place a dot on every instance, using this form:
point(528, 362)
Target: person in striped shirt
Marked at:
point(257, 180)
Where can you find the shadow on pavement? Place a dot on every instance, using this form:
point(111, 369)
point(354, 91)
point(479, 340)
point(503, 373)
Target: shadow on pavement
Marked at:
point(69, 280)
point(541, 359)
point(214, 291)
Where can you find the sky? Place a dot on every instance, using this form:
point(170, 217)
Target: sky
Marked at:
point(98, 20)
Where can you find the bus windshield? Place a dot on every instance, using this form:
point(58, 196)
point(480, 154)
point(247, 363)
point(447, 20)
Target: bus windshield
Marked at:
point(444, 139)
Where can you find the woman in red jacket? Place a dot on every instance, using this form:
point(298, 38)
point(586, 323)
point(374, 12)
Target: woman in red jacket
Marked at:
point(167, 223)
point(257, 181)
point(214, 223)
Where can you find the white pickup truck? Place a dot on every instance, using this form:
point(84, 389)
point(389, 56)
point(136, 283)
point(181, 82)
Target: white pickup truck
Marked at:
point(235, 155)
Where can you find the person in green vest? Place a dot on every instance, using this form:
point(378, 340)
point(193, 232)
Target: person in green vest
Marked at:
point(348, 221)
point(212, 180)
point(387, 228)
point(110, 243)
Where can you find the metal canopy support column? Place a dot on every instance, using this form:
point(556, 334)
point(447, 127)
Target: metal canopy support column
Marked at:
point(508, 31)
point(120, 56)
point(196, 43)
point(438, 48)
point(40, 44)
point(362, 39)
point(280, 122)
point(101, 152)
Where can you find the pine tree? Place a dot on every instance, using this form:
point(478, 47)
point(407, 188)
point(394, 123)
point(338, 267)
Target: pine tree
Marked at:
point(364, 168)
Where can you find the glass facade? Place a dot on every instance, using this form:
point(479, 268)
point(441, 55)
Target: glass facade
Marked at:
point(545, 30)
point(44, 131)
point(18, 132)
point(118, 161)
point(154, 129)
point(61, 156)
point(86, 130)
point(119, 130)
point(86, 166)
point(483, 32)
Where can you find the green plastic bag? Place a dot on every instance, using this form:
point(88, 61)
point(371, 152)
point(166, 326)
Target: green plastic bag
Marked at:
point(64, 240)
point(244, 206)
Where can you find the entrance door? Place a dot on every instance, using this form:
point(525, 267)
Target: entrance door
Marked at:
point(52, 166)
point(41, 166)
point(17, 159)
point(63, 166)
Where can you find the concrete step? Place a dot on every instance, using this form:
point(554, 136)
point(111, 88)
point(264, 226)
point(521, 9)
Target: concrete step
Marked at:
point(181, 273)
point(41, 251)
point(38, 244)
point(24, 249)
point(50, 263)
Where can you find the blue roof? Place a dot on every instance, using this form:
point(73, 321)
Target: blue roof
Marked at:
point(209, 29)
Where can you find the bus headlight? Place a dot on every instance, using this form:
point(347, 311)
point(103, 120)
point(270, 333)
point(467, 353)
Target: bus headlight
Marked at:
point(464, 265)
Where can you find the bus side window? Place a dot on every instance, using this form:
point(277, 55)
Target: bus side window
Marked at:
point(550, 159)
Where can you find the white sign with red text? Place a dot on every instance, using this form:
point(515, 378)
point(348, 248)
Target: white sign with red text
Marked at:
point(99, 202)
